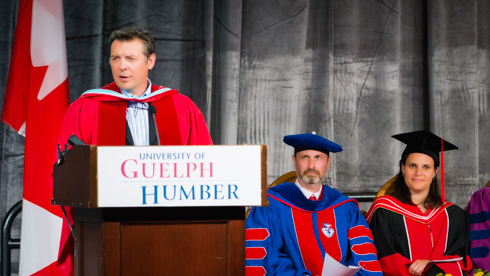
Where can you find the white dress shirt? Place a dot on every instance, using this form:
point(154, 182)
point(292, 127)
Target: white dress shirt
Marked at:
point(137, 117)
point(308, 193)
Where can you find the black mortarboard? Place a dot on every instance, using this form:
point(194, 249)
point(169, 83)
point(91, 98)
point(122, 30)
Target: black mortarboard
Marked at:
point(311, 141)
point(424, 141)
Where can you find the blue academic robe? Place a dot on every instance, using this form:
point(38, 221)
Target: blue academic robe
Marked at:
point(292, 235)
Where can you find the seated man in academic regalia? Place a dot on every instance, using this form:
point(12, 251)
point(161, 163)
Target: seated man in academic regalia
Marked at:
point(307, 222)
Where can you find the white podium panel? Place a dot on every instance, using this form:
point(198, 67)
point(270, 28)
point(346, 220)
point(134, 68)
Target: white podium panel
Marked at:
point(179, 176)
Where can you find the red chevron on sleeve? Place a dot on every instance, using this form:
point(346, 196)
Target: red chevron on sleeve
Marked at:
point(255, 253)
point(254, 271)
point(256, 234)
point(364, 248)
point(359, 231)
point(372, 266)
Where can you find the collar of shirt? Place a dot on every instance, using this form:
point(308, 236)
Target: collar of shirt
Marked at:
point(308, 193)
point(147, 92)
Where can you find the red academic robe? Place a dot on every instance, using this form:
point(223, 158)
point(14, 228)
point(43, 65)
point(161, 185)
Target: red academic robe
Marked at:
point(98, 117)
point(403, 234)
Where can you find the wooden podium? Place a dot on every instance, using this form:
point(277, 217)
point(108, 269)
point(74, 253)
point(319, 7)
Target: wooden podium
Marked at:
point(151, 239)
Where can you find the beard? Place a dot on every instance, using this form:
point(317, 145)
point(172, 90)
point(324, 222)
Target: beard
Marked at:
point(310, 179)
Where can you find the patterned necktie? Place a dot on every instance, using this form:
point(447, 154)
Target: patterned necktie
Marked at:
point(312, 197)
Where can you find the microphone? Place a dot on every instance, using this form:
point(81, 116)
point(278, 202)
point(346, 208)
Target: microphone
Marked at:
point(153, 111)
point(74, 140)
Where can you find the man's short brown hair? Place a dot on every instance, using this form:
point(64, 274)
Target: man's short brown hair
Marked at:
point(128, 34)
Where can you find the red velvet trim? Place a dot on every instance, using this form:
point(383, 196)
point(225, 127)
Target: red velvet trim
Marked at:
point(255, 271)
point(364, 249)
point(308, 245)
point(359, 231)
point(256, 234)
point(331, 245)
point(255, 253)
point(409, 211)
point(372, 266)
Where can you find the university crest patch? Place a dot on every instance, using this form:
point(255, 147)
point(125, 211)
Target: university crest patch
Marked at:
point(328, 230)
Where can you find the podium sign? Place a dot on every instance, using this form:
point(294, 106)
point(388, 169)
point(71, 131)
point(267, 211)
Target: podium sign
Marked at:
point(197, 225)
point(179, 176)
point(161, 176)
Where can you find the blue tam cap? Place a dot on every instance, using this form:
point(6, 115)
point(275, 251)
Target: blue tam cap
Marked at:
point(309, 141)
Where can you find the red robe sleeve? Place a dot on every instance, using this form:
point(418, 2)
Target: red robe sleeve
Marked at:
point(80, 120)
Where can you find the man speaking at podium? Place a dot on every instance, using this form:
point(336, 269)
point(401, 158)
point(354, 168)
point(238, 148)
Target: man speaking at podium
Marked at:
point(131, 110)
point(123, 112)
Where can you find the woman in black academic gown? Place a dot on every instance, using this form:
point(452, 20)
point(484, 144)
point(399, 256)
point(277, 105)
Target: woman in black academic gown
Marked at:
point(415, 230)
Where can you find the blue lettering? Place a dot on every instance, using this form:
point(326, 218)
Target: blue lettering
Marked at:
point(216, 192)
point(182, 191)
point(165, 192)
point(168, 156)
point(155, 189)
point(207, 192)
point(234, 191)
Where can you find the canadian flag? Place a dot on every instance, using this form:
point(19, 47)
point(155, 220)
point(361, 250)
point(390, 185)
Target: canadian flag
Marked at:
point(35, 102)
